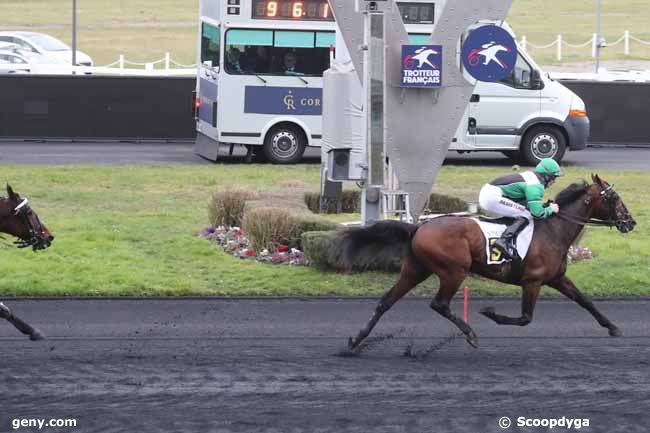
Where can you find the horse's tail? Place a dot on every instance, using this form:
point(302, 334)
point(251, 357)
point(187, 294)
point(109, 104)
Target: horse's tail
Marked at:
point(382, 242)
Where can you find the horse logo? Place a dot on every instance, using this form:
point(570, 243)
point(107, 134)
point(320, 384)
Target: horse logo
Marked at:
point(421, 65)
point(489, 53)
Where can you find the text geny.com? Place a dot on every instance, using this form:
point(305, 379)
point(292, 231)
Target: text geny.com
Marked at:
point(41, 423)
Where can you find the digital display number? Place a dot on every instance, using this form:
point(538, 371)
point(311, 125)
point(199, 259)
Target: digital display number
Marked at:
point(311, 10)
point(417, 13)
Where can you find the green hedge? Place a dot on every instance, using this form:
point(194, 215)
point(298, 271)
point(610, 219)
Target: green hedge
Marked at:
point(324, 249)
point(351, 202)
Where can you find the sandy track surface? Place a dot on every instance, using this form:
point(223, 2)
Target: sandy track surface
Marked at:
point(279, 366)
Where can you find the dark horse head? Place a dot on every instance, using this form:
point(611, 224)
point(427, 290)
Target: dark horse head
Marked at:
point(19, 220)
point(607, 205)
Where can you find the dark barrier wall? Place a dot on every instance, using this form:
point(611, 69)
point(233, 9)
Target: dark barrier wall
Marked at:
point(618, 111)
point(96, 107)
point(161, 108)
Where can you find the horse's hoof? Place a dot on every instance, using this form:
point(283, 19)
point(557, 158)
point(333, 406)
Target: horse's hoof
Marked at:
point(615, 332)
point(37, 335)
point(472, 339)
point(487, 311)
point(5, 312)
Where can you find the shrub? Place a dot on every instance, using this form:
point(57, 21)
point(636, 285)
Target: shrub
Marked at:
point(313, 223)
point(312, 200)
point(322, 248)
point(440, 203)
point(350, 203)
point(226, 206)
point(269, 227)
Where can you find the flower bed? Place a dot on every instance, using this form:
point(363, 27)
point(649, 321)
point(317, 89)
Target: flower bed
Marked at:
point(233, 241)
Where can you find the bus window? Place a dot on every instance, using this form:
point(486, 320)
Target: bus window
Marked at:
point(210, 39)
point(419, 38)
point(279, 52)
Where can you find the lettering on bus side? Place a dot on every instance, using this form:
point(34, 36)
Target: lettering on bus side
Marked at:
point(283, 100)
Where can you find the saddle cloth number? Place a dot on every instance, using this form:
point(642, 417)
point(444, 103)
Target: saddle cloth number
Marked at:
point(495, 253)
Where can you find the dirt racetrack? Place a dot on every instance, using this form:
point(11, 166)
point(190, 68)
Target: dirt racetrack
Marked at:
point(276, 365)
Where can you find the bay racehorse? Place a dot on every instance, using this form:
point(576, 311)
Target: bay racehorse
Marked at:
point(19, 220)
point(452, 247)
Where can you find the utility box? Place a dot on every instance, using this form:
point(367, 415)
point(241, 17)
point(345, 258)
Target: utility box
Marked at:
point(338, 162)
point(343, 124)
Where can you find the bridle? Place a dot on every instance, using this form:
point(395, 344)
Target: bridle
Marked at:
point(23, 211)
point(611, 198)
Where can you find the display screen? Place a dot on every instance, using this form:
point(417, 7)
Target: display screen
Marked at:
point(312, 10)
point(417, 13)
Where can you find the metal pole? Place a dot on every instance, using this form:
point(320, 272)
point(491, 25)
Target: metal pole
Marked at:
point(597, 35)
point(74, 32)
point(373, 85)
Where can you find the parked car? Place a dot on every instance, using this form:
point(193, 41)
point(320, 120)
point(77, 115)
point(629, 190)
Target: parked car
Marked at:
point(14, 59)
point(45, 45)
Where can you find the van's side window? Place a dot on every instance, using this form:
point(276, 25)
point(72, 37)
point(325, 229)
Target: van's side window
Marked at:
point(520, 77)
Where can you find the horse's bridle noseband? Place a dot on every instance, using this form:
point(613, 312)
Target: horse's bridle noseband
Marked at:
point(23, 211)
point(610, 197)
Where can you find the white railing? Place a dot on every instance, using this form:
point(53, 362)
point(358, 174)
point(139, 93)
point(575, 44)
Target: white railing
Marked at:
point(559, 42)
point(167, 64)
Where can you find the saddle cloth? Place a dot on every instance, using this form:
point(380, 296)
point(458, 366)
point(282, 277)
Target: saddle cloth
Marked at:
point(493, 231)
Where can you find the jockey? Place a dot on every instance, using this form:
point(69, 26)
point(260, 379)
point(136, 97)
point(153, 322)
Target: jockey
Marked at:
point(519, 196)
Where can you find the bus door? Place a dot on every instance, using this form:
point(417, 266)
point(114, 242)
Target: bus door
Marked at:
point(208, 80)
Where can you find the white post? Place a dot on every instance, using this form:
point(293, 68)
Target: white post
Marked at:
point(627, 42)
point(167, 62)
point(121, 63)
point(594, 44)
point(523, 42)
point(559, 48)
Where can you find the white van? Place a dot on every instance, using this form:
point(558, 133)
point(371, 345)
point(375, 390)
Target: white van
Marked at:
point(278, 114)
point(527, 116)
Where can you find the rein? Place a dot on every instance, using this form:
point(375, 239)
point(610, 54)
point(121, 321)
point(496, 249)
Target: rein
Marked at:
point(582, 221)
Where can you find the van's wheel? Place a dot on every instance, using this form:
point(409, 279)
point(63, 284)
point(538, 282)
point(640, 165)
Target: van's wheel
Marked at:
point(284, 145)
point(543, 141)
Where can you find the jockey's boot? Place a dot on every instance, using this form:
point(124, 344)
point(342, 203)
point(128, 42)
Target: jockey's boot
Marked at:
point(506, 243)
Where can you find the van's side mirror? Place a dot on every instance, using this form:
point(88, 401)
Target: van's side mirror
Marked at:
point(536, 82)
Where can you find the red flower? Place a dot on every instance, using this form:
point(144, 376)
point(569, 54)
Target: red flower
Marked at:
point(283, 248)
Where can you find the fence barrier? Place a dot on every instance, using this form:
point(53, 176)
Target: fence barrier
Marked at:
point(594, 41)
point(96, 107)
point(141, 108)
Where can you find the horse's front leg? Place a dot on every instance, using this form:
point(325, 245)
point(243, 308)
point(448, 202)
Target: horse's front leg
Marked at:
point(34, 333)
point(528, 301)
point(565, 286)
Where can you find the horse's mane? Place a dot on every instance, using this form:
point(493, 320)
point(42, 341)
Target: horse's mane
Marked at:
point(571, 193)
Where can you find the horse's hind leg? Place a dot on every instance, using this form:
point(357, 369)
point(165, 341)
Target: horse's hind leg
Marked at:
point(528, 301)
point(34, 333)
point(449, 285)
point(411, 275)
